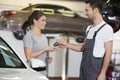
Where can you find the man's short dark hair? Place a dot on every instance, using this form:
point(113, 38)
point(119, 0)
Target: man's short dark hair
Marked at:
point(95, 4)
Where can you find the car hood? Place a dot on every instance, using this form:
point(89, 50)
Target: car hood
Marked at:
point(20, 74)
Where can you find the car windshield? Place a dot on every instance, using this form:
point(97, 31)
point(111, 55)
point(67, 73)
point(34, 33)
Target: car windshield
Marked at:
point(8, 58)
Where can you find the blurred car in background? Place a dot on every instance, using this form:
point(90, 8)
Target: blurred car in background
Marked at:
point(59, 19)
point(13, 65)
point(111, 13)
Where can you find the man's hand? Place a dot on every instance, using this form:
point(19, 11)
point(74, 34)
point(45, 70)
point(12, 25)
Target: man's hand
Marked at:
point(101, 77)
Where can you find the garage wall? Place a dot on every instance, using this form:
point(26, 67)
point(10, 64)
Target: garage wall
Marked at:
point(58, 67)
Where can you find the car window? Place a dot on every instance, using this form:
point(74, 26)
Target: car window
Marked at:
point(8, 58)
point(55, 9)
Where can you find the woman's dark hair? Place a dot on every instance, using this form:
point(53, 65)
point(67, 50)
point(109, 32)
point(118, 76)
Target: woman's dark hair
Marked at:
point(96, 4)
point(35, 15)
point(28, 23)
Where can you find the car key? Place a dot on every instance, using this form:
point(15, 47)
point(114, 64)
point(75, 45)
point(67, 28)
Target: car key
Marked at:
point(56, 44)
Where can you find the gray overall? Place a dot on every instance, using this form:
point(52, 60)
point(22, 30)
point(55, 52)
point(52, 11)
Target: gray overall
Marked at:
point(90, 65)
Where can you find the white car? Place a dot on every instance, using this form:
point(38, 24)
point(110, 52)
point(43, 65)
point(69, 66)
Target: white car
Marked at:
point(12, 66)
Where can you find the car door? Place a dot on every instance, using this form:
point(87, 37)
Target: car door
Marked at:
point(13, 68)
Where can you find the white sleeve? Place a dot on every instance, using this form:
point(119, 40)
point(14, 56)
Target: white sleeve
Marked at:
point(88, 28)
point(108, 33)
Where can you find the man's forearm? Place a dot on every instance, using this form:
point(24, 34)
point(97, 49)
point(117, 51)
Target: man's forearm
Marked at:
point(106, 63)
point(107, 57)
point(76, 47)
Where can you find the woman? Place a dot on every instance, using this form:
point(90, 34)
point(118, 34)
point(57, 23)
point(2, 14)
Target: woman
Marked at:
point(35, 43)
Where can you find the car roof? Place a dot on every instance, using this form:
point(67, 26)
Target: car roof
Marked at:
point(44, 5)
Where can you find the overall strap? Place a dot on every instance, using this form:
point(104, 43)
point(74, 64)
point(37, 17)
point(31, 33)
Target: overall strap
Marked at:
point(99, 30)
point(88, 30)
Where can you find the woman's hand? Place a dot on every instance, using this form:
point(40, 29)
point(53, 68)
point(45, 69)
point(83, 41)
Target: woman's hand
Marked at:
point(48, 59)
point(51, 48)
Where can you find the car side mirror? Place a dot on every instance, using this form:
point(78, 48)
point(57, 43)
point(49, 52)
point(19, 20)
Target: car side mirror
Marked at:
point(37, 64)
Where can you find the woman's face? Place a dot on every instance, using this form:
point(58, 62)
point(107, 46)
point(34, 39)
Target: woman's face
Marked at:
point(41, 22)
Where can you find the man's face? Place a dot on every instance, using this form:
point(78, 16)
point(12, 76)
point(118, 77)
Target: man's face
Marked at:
point(89, 11)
